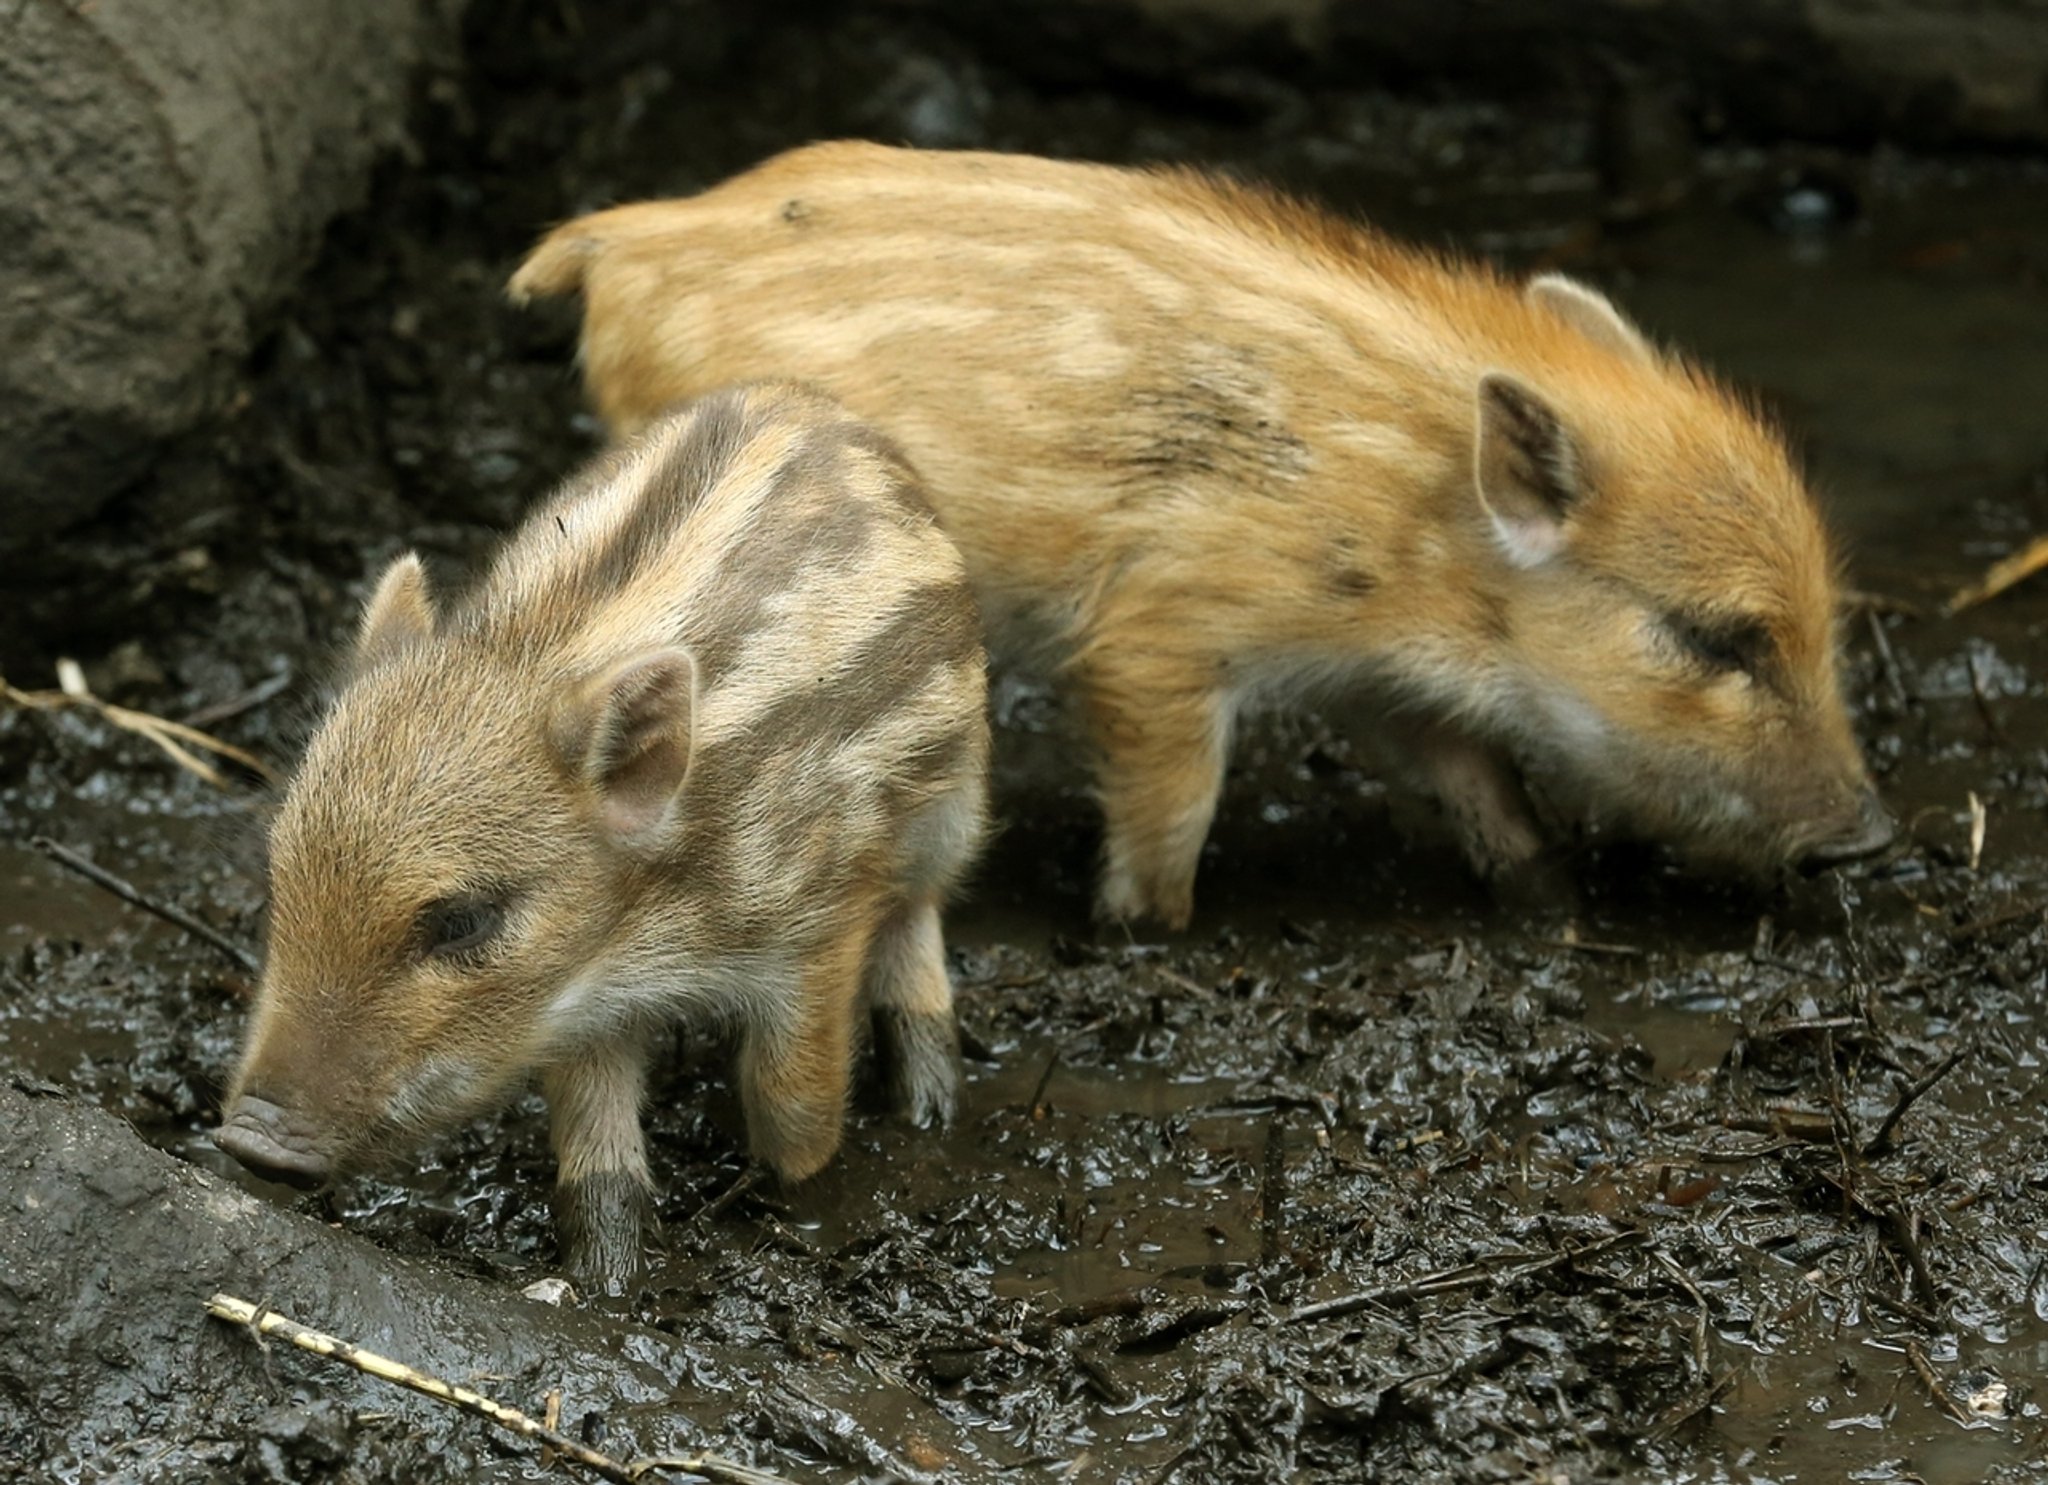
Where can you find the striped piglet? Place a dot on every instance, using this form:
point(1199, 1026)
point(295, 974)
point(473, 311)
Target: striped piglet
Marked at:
point(707, 741)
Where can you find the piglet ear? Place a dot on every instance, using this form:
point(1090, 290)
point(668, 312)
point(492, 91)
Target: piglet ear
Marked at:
point(400, 612)
point(626, 735)
point(1589, 312)
point(1527, 468)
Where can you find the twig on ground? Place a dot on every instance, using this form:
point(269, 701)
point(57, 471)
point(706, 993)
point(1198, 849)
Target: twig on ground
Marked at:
point(1013, 981)
point(1041, 1105)
point(1690, 1406)
point(551, 1420)
point(1898, 1221)
point(1962, 933)
point(1843, 1130)
point(1718, 1155)
point(1273, 1192)
point(1811, 1125)
point(234, 706)
point(1853, 599)
point(1904, 1308)
point(175, 738)
point(1908, 1096)
point(1699, 1326)
point(1811, 1023)
point(261, 1322)
point(2001, 575)
point(1984, 709)
point(710, 1466)
point(1592, 946)
point(1105, 1382)
point(1178, 980)
point(746, 1181)
point(791, 1413)
point(177, 917)
point(1894, 682)
point(1933, 1385)
point(1471, 1276)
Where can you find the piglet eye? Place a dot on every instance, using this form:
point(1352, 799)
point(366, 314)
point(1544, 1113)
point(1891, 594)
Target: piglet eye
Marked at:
point(455, 926)
point(1722, 644)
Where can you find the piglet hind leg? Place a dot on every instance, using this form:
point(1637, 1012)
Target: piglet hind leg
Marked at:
point(796, 1062)
point(912, 998)
point(604, 1195)
point(1163, 751)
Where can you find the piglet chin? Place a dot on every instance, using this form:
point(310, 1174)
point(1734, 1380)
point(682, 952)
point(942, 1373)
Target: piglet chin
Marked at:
point(258, 1133)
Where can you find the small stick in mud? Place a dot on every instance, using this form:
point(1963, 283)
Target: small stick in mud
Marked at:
point(2001, 575)
point(1932, 1383)
point(128, 892)
point(746, 1181)
point(234, 706)
point(1904, 1308)
point(175, 738)
point(1273, 1192)
point(1893, 681)
point(1699, 1319)
point(1980, 817)
point(1592, 946)
point(1899, 1222)
point(261, 1322)
point(1854, 599)
point(1040, 1104)
point(1976, 928)
point(1984, 708)
point(551, 1420)
point(1908, 1096)
point(1471, 1276)
point(1699, 1400)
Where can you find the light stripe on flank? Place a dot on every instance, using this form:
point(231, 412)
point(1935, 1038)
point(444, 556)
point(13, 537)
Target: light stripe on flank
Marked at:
point(850, 652)
point(710, 567)
point(574, 553)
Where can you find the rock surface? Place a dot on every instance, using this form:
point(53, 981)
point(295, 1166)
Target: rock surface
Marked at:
point(110, 1368)
point(165, 174)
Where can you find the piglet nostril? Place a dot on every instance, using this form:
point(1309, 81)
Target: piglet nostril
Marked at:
point(260, 1135)
point(1870, 832)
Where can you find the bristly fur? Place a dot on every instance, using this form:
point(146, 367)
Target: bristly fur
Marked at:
point(707, 739)
point(1197, 439)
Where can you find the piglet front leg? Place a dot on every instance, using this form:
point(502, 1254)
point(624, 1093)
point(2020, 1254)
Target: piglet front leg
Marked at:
point(1489, 811)
point(604, 1196)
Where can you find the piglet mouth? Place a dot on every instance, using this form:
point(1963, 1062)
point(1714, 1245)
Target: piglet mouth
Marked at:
point(266, 1139)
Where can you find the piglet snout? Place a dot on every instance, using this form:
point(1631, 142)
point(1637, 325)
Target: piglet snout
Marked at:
point(265, 1138)
point(1869, 831)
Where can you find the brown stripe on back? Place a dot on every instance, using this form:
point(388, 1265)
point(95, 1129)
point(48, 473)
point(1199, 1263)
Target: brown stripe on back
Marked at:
point(935, 627)
point(693, 466)
point(795, 536)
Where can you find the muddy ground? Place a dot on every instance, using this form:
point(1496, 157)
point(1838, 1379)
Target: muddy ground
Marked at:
point(1363, 1178)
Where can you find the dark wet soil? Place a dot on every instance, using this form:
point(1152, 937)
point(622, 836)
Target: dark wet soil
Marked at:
point(1363, 1178)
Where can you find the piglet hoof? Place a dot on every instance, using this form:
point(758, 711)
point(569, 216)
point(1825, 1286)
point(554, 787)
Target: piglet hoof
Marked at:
point(923, 1056)
point(1121, 902)
point(601, 1224)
